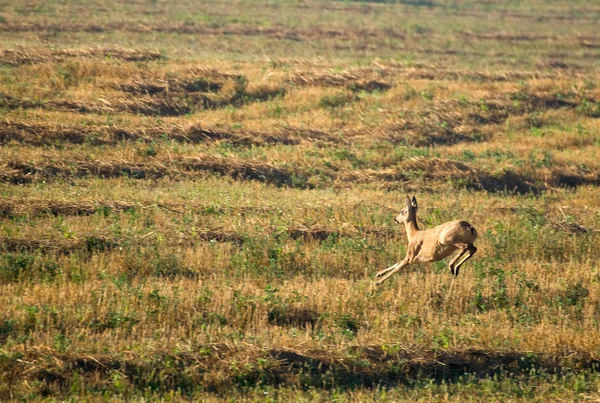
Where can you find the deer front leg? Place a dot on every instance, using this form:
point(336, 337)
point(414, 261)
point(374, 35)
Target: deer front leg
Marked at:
point(382, 272)
point(455, 259)
point(399, 266)
point(472, 249)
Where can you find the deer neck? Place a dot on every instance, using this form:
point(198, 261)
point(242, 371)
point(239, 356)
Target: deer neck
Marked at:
point(411, 228)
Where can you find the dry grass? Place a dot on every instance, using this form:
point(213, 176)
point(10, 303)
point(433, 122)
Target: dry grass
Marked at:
point(195, 209)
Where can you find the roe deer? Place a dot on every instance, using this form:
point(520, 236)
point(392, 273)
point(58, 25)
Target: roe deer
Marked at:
point(433, 244)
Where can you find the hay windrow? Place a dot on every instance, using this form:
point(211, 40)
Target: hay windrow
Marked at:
point(509, 37)
point(197, 79)
point(277, 31)
point(496, 111)
point(91, 243)
point(143, 105)
point(382, 77)
point(435, 127)
point(19, 171)
point(38, 135)
point(12, 208)
point(158, 98)
point(45, 135)
point(355, 81)
point(432, 173)
point(441, 170)
point(571, 176)
point(408, 135)
point(238, 169)
point(196, 134)
point(455, 121)
point(104, 243)
point(24, 56)
point(192, 236)
point(429, 172)
point(368, 366)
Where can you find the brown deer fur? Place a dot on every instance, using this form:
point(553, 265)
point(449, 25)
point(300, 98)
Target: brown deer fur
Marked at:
point(434, 244)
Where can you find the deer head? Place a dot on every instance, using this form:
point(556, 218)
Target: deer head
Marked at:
point(409, 212)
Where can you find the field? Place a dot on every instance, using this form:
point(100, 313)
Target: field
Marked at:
point(195, 196)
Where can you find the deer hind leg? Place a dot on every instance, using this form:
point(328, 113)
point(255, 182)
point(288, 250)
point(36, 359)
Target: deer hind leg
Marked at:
point(396, 267)
point(382, 272)
point(462, 251)
point(472, 249)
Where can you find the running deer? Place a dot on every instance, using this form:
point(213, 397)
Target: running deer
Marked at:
point(432, 245)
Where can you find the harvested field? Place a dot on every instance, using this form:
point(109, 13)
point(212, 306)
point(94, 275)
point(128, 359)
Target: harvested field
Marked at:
point(195, 197)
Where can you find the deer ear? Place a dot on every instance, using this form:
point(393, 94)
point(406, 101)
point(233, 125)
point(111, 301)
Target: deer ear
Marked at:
point(408, 201)
point(414, 202)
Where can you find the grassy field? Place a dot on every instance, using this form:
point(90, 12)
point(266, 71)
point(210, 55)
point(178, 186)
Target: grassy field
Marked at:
point(195, 196)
